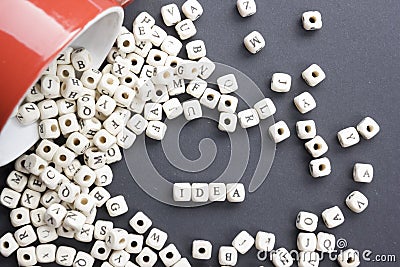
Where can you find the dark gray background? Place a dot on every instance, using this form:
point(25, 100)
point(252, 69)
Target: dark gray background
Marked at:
point(358, 50)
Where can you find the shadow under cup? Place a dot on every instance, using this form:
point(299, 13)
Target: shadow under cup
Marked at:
point(32, 39)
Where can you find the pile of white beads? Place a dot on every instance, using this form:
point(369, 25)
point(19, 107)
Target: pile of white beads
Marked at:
point(86, 115)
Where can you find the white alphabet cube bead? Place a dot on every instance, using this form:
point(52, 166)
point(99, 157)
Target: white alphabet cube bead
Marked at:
point(333, 217)
point(100, 251)
point(156, 57)
point(140, 222)
point(55, 215)
point(306, 242)
point(81, 59)
point(119, 258)
point(217, 192)
point(8, 245)
point(363, 173)
point(248, 118)
point(306, 129)
point(83, 259)
point(182, 192)
point(227, 256)
point(177, 86)
point(316, 146)
point(170, 14)
point(49, 129)
point(84, 203)
point(368, 128)
point(357, 201)
point(48, 109)
point(68, 192)
point(156, 130)
point(308, 259)
point(137, 124)
point(65, 256)
point(182, 263)
point(305, 102)
point(162, 76)
point(320, 167)
point(90, 78)
point(192, 9)
point(144, 18)
point(227, 122)
point(313, 75)
point(117, 206)
point(185, 30)
point(281, 82)
point(306, 221)
point(210, 98)
point(196, 49)
point(201, 249)
point(243, 242)
point(172, 45)
point(312, 20)
point(265, 241)
point(192, 109)
point(101, 228)
point(26, 256)
point(227, 84)
point(207, 67)
point(349, 258)
point(254, 42)
point(246, 8)
point(170, 255)
point(228, 104)
point(46, 253)
point(153, 111)
point(17, 180)
point(279, 131)
point(196, 87)
point(326, 242)
point(142, 32)
point(188, 70)
point(30, 199)
point(235, 192)
point(25, 236)
point(265, 108)
point(134, 244)
point(348, 137)
point(282, 258)
point(172, 108)
point(146, 258)
point(74, 221)
point(20, 217)
point(200, 192)
point(28, 113)
point(116, 239)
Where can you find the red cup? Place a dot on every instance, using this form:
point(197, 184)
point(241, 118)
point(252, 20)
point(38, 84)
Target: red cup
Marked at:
point(32, 34)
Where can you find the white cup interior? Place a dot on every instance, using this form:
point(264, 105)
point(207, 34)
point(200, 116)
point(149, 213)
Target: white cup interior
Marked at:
point(98, 36)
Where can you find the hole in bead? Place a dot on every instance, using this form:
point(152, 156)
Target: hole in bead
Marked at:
point(126, 43)
point(350, 260)
point(125, 95)
point(65, 73)
point(86, 178)
point(128, 79)
point(202, 250)
point(194, 70)
point(6, 244)
point(46, 149)
point(312, 19)
point(63, 157)
point(122, 240)
point(26, 257)
point(166, 75)
point(103, 139)
point(41, 167)
point(210, 97)
point(134, 62)
point(77, 142)
point(370, 128)
point(173, 64)
point(170, 255)
point(146, 258)
point(228, 103)
point(322, 167)
point(68, 123)
point(53, 128)
point(90, 80)
point(140, 222)
point(101, 250)
point(315, 74)
point(84, 201)
point(19, 216)
point(134, 244)
point(317, 146)
point(281, 131)
point(157, 57)
point(110, 81)
point(159, 93)
point(227, 121)
point(308, 128)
